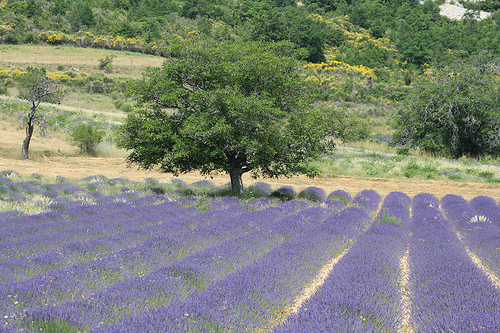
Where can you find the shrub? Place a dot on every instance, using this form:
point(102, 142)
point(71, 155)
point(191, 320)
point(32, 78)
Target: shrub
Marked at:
point(259, 189)
point(313, 193)
point(87, 137)
point(127, 108)
point(284, 193)
point(106, 63)
point(340, 195)
point(178, 182)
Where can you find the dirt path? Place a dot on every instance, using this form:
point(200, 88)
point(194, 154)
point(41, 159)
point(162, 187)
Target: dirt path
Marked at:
point(80, 167)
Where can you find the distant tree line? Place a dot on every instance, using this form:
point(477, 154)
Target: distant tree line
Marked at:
point(420, 33)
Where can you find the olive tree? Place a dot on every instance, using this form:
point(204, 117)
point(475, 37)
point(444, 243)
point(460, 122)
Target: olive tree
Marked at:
point(229, 107)
point(455, 110)
point(35, 87)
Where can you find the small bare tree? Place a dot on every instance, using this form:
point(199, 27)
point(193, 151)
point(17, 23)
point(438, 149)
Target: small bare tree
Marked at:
point(36, 87)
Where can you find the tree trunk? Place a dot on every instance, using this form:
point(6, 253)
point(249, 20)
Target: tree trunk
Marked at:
point(236, 181)
point(479, 148)
point(29, 133)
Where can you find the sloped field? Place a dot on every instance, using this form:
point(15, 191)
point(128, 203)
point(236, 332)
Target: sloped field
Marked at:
point(109, 255)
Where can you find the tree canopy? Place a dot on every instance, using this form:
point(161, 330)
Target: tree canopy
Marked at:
point(455, 110)
point(230, 107)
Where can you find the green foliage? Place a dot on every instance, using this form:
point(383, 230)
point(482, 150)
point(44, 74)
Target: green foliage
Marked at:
point(203, 204)
point(56, 325)
point(455, 111)
point(118, 104)
point(35, 86)
point(106, 63)
point(127, 108)
point(338, 197)
point(87, 137)
point(230, 107)
point(344, 125)
point(386, 217)
point(293, 24)
point(418, 30)
point(486, 5)
point(281, 196)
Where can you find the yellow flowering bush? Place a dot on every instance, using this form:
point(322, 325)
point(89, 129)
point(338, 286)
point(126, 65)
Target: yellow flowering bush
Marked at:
point(58, 76)
point(54, 37)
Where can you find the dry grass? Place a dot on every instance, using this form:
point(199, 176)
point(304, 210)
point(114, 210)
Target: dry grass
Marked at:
point(128, 64)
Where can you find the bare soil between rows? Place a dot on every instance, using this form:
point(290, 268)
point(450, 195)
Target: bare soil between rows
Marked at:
point(80, 167)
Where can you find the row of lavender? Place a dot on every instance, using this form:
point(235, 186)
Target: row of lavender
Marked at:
point(65, 261)
point(107, 255)
point(362, 293)
point(61, 193)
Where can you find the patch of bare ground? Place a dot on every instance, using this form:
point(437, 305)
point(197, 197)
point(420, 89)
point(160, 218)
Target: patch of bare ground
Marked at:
point(405, 307)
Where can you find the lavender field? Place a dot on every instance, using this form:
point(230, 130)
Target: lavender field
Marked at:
point(112, 255)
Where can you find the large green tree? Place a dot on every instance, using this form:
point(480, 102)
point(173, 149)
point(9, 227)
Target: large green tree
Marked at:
point(230, 107)
point(456, 110)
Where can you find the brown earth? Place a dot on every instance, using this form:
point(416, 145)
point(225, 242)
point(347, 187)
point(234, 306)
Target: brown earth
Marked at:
point(79, 167)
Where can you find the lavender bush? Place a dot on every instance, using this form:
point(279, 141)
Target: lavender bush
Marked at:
point(351, 300)
point(127, 260)
point(259, 189)
point(340, 195)
point(285, 193)
point(313, 193)
point(367, 199)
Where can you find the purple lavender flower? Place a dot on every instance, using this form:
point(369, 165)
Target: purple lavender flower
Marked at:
point(395, 209)
point(367, 199)
point(94, 178)
point(313, 193)
point(259, 204)
point(335, 204)
point(487, 207)
point(350, 300)
point(256, 294)
point(477, 231)
point(178, 182)
point(5, 180)
point(285, 193)
point(340, 195)
point(10, 174)
point(260, 189)
point(203, 183)
point(50, 194)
